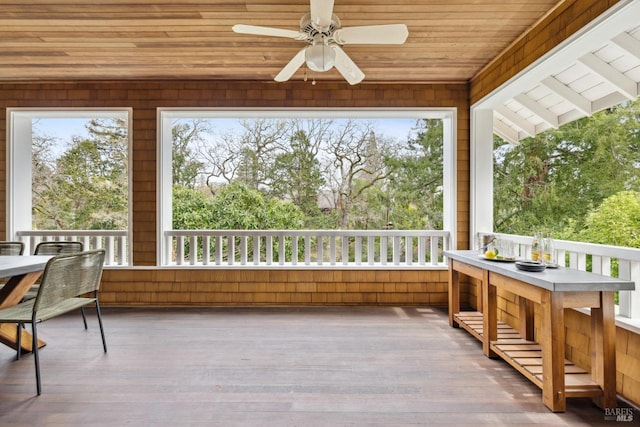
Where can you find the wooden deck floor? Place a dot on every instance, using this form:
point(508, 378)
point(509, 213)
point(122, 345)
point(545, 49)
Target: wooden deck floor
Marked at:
point(271, 366)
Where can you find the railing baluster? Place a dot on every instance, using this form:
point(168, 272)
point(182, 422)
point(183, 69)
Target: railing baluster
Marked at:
point(231, 249)
point(408, 250)
point(109, 255)
point(434, 249)
point(206, 249)
point(218, 250)
point(358, 250)
point(193, 250)
point(345, 250)
point(180, 250)
point(332, 250)
point(256, 250)
point(243, 250)
point(384, 250)
point(269, 248)
point(320, 250)
point(294, 250)
point(281, 250)
point(422, 242)
point(122, 250)
point(307, 249)
point(371, 250)
point(396, 250)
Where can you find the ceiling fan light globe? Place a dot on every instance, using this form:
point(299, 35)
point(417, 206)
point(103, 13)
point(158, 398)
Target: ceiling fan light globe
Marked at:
point(320, 57)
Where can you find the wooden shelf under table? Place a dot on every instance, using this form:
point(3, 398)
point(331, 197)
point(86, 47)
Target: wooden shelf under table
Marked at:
point(526, 356)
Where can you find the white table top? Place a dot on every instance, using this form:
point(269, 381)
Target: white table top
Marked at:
point(13, 265)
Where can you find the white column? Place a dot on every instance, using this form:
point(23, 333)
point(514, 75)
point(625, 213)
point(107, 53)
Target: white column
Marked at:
point(481, 185)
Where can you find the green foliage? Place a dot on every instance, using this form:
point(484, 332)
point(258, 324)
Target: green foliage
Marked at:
point(553, 181)
point(192, 209)
point(615, 222)
point(86, 187)
point(296, 175)
point(241, 208)
point(363, 180)
point(415, 185)
point(185, 164)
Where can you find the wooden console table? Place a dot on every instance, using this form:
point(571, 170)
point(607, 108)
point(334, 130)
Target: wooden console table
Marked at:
point(542, 359)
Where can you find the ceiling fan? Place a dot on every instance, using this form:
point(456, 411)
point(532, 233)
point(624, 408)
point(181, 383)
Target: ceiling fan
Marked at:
point(322, 30)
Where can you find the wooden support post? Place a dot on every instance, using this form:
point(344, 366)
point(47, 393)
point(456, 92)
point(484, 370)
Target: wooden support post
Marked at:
point(525, 319)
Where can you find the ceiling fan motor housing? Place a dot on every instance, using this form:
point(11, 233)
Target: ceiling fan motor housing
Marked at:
point(311, 29)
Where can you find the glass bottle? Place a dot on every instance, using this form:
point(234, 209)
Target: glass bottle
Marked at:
point(536, 247)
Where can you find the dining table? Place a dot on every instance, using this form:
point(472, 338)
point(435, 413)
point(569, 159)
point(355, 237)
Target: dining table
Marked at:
point(21, 273)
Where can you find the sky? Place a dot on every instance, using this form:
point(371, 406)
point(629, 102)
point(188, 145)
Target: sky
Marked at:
point(63, 129)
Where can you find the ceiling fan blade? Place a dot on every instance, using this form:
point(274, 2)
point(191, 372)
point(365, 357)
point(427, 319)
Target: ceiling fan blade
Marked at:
point(289, 69)
point(347, 67)
point(268, 31)
point(372, 34)
point(321, 12)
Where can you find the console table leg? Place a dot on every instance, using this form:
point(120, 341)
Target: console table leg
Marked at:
point(603, 353)
point(454, 293)
point(552, 341)
point(490, 317)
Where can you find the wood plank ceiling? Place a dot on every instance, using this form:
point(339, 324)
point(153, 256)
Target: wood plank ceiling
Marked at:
point(449, 40)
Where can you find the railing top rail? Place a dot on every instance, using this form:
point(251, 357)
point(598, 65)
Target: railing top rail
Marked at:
point(621, 252)
point(348, 233)
point(27, 233)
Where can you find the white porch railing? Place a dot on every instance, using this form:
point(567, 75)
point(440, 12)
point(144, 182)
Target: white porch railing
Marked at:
point(602, 259)
point(114, 242)
point(306, 248)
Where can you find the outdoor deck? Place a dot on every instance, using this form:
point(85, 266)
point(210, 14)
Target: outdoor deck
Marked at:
point(271, 366)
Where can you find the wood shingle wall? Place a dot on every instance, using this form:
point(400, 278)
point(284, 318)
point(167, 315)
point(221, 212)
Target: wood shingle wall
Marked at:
point(144, 284)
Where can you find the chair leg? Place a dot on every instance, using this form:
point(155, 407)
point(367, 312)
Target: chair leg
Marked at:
point(36, 357)
point(84, 319)
point(104, 341)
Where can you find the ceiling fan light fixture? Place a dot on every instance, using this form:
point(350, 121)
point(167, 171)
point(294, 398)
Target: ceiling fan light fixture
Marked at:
point(320, 57)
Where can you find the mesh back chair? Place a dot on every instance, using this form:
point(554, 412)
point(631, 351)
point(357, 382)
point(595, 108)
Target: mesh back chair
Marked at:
point(57, 248)
point(11, 248)
point(66, 282)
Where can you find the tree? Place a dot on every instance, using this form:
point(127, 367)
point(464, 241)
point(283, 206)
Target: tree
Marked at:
point(43, 163)
point(238, 207)
point(553, 180)
point(262, 140)
point(89, 185)
point(615, 222)
point(246, 155)
point(296, 174)
point(185, 163)
point(415, 199)
point(192, 209)
point(353, 169)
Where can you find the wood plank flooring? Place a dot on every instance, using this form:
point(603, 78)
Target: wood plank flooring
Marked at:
point(271, 366)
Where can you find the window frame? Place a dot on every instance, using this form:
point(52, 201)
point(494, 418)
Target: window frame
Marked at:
point(19, 171)
point(166, 115)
